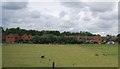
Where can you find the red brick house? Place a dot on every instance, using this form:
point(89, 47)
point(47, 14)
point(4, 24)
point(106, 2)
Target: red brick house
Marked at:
point(94, 39)
point(109, 39)
point(12, 38)
point(82, 38)
point(26, 37)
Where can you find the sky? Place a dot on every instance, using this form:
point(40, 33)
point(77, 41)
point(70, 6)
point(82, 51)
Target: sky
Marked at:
point(74, 16)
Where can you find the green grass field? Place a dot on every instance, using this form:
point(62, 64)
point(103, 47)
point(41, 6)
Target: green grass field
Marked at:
point(0, 55)
point(76, 55)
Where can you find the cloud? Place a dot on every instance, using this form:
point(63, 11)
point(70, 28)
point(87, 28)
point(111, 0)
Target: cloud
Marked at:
point(62, 14)
point(94, 7)
point(86, 18)
point(0, 18)
point(75, 17)
point(35, 14)
point(110, 15)
point(75, 5)
point(106, 24)
point(100, 6)
point(14, 5)
point(11, 15)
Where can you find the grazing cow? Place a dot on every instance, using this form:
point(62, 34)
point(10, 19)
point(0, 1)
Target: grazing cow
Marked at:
point(74, 64)
point(42, 56)
point(104, 54)
point(96, 54)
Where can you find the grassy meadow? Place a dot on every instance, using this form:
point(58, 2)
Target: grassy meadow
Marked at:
point(0, 55)
point(70, 55)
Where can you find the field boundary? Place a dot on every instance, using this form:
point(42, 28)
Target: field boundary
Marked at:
point(60, 68)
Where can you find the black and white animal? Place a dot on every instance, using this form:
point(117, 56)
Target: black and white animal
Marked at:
point(96, 54)
point(104, 54)
point(42, 56)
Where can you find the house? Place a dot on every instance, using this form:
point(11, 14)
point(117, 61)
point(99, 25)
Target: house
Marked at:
point(82, 38)
point(109, 40)
point(104, 39)
point(11, 38)
point(26, 37)
point(113, 38)
point(92, 39)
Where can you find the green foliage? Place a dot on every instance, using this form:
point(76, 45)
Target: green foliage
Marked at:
point(51, 36)
point(118, 40)
point(44, 32)
point(46, 39)
point(86, 33)
point(47, 36)
point(82, 33)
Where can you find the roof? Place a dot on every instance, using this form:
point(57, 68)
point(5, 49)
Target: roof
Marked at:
point(12, 34)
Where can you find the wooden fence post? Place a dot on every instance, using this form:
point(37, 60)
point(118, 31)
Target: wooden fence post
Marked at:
point(53, 65)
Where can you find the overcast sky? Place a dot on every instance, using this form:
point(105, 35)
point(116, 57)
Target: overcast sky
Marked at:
point(95, 17)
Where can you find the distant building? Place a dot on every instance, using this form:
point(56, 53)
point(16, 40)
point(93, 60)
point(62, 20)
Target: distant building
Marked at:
point(104, 39)
point(113, 38)
point(82, 38)
point(91, 39)
point(109, 40)
point(26, 37)
point(12, 38)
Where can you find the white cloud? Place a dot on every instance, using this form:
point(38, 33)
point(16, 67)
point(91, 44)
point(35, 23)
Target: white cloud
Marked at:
point(74, 17)
point(62, 14)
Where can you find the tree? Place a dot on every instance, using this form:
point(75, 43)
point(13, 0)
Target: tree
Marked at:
point(66, 33)
point(44, 39)
point(48, 36)
point(57, 33)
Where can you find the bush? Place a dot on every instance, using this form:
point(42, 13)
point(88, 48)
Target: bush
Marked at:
point(46, 39)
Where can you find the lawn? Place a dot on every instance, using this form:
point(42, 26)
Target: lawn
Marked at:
point(76, 55)
point(0, 55)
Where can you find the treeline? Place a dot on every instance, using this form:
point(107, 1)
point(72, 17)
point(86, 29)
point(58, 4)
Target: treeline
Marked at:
point(46, 36)
point(50, 36)
point(43, 32)
point(50, 39)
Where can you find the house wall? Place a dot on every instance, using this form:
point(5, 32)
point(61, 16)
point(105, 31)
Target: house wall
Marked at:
point(98, 39)
point(10, 39)
point(26, 37)
point(82, 38)
point(89, 39)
